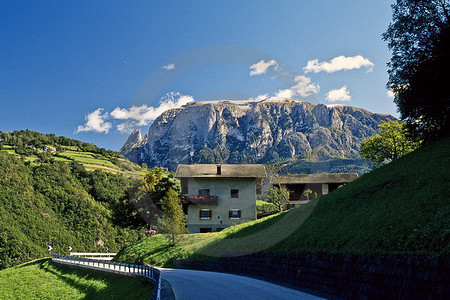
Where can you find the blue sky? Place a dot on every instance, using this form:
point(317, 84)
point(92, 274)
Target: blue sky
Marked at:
point(93, 70)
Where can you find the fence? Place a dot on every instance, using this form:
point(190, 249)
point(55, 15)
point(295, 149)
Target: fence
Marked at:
point(97, 256)
point(113, 267)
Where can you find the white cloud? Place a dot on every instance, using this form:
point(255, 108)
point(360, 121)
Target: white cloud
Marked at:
point(342, 94)
point(169, 67)
point(287, 93)
point(303, 87)
point(390, 94)
point(260, 97)
point(95, 121)
point(338, 64)
point(135, 116)
point(143, 115)
point(262, 67)
point(125, 127)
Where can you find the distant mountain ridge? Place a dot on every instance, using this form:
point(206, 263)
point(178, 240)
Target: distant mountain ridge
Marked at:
point(251, 132)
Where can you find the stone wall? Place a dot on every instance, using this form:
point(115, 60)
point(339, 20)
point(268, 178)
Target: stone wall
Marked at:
point(343, 275)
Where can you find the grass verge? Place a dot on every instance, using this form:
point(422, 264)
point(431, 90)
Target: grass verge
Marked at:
point(402, 207)
point(41, 279)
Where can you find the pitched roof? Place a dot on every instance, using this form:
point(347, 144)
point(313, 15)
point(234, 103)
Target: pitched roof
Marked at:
point(227, 171)
point(314, 178)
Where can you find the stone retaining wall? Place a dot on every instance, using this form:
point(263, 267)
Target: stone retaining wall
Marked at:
point(343, 275)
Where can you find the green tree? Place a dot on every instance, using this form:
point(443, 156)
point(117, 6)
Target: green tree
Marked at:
point(391, 142)
point(174, 219)
point(306, 193)
point(419, 38)
point(143, 203)
point(278, 196)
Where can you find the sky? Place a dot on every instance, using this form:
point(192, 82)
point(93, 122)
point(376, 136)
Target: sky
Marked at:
point(95, 70)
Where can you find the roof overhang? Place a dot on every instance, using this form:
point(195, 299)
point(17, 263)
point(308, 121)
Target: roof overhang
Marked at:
point(226, 171)
point(314, 178)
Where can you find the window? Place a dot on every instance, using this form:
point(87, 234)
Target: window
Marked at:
point(235, 213)
point(205, 214)
point(234, 193)
point(203, 192)
point(204, 230)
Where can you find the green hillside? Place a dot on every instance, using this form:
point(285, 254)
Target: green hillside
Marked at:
point(42, 279)
point(402, 207)
point(58, 204)
point(313, 165)
point(34, 146)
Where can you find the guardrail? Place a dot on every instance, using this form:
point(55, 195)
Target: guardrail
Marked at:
point(114, 267)
point(98, 256)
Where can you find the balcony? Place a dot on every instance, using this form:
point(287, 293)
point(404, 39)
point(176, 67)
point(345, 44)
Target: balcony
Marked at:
point(201, 200)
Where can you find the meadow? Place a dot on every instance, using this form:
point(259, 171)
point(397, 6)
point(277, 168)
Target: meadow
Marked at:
point(42, 279)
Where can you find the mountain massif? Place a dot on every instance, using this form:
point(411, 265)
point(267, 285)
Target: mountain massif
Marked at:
point(252, 132)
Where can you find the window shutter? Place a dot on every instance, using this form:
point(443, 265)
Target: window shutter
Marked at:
point(258, 186)
point(230, 214)
point(239, 213)
point(209, 213)
point(200, 213)
point(184, 186)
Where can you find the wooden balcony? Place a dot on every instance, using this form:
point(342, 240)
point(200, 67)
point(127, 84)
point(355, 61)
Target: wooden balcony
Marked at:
point(201, 200)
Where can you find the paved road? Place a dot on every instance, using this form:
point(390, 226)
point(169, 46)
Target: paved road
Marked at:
point(189, 284)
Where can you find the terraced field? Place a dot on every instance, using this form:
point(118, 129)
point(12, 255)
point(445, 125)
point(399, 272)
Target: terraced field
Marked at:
point(91, 161)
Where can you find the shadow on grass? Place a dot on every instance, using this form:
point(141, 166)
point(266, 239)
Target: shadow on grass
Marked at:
point(117, 286)
point(68, 271)
point(258, 237)
point(33, 262)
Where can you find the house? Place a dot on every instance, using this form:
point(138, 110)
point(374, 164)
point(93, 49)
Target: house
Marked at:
point(319, 184)
point(49, 148)
point(219, 196)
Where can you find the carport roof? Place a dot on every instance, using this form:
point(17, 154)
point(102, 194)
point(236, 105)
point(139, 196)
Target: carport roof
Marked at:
point(314, 178)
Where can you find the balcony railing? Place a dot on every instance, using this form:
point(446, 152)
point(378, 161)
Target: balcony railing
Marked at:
point(201, 200)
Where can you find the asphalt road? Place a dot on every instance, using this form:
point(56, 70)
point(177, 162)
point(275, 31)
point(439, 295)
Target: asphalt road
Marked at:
point(190, 284)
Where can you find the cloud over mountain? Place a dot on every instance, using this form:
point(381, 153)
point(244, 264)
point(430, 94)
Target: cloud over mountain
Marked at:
point(262, 67)
point(303, 87)
point(342, 94)
point(134, 116)
point(95, 121)
point(339, 63)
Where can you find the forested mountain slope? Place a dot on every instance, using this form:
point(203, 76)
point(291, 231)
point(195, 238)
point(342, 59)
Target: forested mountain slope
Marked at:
point(58, 204)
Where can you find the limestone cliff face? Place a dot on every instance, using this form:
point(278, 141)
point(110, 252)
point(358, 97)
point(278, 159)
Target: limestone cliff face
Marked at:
point(132, 145)
point(251, 132)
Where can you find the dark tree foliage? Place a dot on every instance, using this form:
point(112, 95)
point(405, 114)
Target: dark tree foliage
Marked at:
point(143, 202)
point(419, 38)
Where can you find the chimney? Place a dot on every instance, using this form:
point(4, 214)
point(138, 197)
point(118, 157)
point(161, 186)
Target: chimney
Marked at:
point(219, 169)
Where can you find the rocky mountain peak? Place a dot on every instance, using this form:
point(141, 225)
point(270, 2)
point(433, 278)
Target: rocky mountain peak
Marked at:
point(251, 132)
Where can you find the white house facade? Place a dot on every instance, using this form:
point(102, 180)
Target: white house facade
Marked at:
point(219, 196)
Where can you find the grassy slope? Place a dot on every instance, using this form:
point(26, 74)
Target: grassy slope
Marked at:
point(403, 207)
point(41, 279)
point(241, 239)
